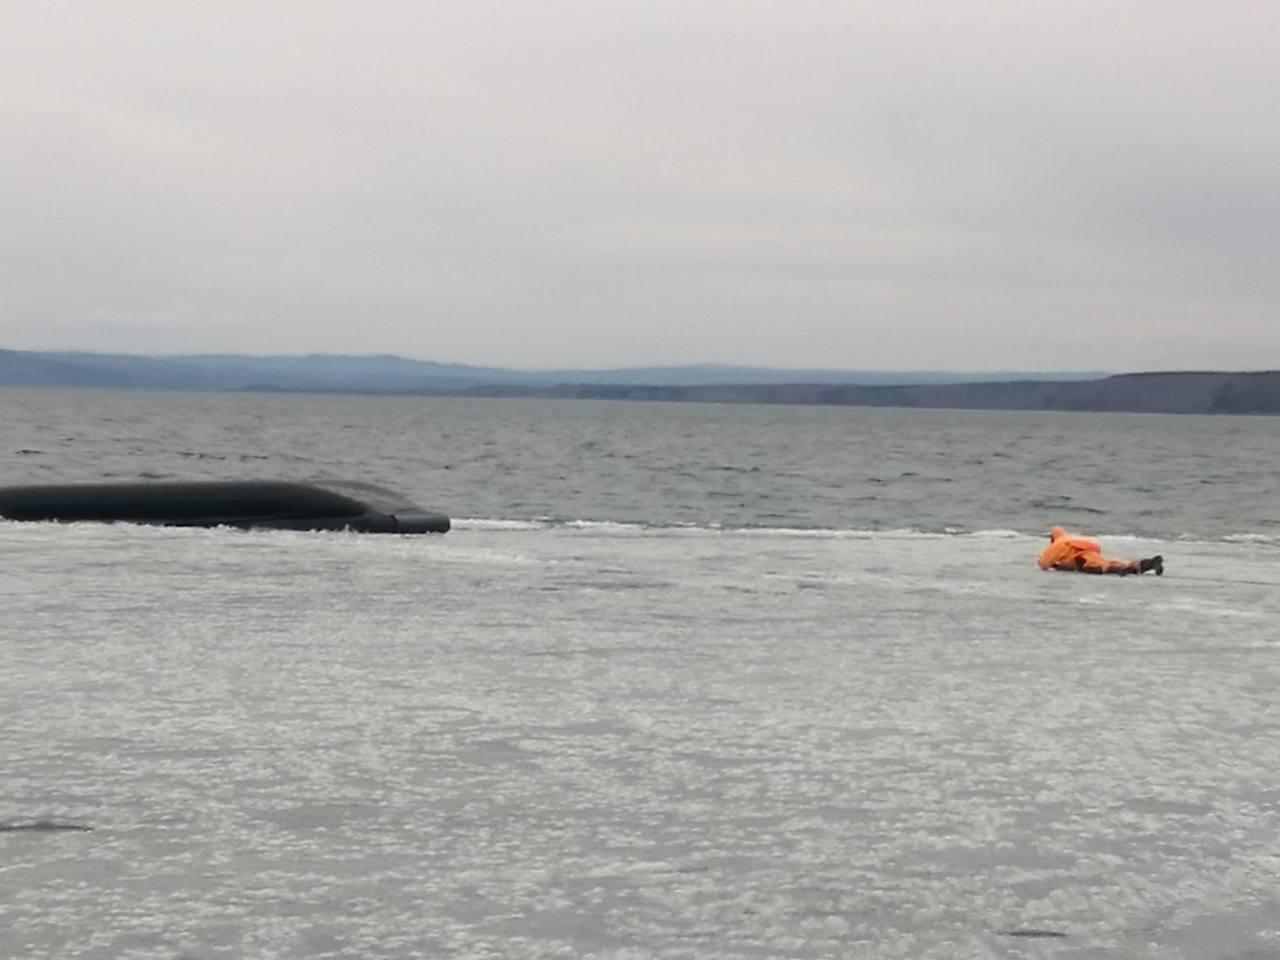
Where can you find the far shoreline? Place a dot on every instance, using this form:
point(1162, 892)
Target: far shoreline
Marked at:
point(1179, 393)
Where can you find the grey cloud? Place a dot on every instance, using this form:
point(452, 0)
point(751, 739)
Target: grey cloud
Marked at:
point(976, 184)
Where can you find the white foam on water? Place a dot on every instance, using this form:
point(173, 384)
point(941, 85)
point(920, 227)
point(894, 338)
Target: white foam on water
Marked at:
point(482, 523)
point(1267, 539)
point(827, 533)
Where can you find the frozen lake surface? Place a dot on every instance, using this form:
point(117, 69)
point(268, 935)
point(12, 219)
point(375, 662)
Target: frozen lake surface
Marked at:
point(602, 741)
point(632, 740)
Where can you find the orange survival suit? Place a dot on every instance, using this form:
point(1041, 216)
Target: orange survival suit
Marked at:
point(1078, 553)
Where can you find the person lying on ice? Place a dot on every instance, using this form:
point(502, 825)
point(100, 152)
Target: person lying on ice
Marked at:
point(1067, 552)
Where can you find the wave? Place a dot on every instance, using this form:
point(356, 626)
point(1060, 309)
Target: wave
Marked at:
point(636, 528)
point(828, 533)
point(1267, 539)
point(483, 523)
point(639, 529)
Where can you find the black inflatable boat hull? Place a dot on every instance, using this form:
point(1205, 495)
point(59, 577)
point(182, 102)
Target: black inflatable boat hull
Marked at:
point(249, 504)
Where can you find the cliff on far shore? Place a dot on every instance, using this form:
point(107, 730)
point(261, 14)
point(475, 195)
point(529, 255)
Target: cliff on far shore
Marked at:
point(1190, 392)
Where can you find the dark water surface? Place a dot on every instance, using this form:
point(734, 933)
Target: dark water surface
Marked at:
point(655, 464)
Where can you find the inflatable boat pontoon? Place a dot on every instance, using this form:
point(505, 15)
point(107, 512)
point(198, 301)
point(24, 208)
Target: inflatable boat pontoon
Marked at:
point(327, 505)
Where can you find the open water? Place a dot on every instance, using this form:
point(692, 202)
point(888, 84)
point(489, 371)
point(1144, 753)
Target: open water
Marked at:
point(684, 682)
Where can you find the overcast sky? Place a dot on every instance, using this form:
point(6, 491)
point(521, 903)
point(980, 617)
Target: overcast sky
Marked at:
point(958, 184)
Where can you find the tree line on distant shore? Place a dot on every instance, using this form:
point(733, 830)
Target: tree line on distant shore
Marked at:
point(1189, 393)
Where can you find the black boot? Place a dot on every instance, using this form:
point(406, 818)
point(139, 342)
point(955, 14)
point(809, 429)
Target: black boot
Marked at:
point(1155, 563)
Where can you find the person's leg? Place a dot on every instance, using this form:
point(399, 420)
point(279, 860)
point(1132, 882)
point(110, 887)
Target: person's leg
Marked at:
point(1123, 567)
point(1097, 563)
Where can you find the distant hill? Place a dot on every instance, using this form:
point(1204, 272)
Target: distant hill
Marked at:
point(19, 368)
point(393, 374)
